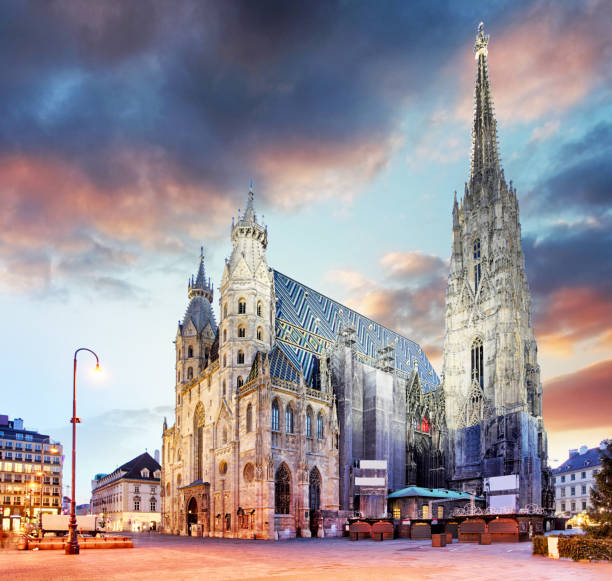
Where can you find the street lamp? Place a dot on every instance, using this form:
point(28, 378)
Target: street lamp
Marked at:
point(72, 547)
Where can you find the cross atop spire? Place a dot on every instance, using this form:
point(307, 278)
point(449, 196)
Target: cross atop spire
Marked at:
point(485, 153)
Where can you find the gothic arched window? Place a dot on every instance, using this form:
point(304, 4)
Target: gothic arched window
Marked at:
point(282, 490)
point(309, 423)
point(225, 310)
point(224, 335)
point(259, 309)
point(478, 361)
point(320, 426)
point(259, 334)
point(289, 419)
point(240, 357)
point(239, 381)
point(190, 373)
point(477, 267)
point(314, 489)
point(190, 351)
point(275, 417)
point(249, 418)
point(241, 306)
point(241, 331)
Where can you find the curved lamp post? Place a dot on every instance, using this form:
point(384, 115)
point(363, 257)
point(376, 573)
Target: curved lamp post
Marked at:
point(72, 547)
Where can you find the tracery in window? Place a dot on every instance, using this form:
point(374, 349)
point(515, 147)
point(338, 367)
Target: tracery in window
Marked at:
point(241, 331)
point(240, 357)
point(477, 367)
point(282, 490)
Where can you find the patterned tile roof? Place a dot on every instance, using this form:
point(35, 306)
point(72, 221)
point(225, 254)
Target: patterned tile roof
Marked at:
point(308, 322)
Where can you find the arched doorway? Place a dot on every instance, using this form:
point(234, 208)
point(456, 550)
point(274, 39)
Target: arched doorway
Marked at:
point(192, 514)
point(314, 497)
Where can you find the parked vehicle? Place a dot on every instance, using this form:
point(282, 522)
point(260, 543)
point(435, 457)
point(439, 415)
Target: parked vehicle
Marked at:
point(59, 524)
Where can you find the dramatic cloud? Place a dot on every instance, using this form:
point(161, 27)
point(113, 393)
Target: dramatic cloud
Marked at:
point(570, 274)
point(581, 399)
point(410, 300)
point(549, 56)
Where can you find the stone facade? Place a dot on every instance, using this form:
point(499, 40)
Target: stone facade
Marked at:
point(253, 451)
point(491, 374)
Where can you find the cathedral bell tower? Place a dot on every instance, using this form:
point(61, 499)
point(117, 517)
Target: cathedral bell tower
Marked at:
point(196, 333)
point(491, 375)
point(246, 303)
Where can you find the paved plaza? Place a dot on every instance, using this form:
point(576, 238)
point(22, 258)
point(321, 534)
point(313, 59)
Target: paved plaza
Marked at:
point(177, 558)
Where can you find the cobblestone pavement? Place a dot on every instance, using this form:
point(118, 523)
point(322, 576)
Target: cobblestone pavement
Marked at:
point(178, 558)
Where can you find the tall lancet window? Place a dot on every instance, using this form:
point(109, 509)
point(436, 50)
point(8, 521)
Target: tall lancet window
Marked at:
point(477, 268)
point(478, 362)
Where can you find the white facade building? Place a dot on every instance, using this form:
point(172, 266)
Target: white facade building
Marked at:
point(128, 499)
point(574, 479)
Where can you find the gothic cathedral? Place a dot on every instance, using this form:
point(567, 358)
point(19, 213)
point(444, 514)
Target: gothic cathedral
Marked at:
point(297, 413)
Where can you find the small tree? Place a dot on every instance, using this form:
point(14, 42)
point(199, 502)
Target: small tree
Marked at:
point(601, 496)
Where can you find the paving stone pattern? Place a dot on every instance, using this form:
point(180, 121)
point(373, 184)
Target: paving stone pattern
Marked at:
point(184, 558)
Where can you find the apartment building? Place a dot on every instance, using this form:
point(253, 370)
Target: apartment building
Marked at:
point(30, 475)
point(574, 479)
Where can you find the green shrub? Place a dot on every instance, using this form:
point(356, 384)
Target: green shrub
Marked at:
point(540, 545)
point(578, 547)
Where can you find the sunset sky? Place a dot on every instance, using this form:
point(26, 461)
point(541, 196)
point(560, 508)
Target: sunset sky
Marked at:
point(130, 132)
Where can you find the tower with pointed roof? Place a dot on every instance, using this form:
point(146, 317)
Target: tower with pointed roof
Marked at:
point(197, 331)
point(246, 304)
point(491, 373)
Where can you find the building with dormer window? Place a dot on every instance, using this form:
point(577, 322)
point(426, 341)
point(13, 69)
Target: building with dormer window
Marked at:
point(128, 499)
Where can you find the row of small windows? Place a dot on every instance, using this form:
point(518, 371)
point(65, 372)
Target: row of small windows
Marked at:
point(242, 333)
point(573, 506)
point(290, 421)
point(583, 476)
point(573, 490)
point(242, 308)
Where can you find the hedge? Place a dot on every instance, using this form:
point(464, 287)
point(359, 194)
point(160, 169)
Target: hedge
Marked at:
point(578, 547)
point(540, 545)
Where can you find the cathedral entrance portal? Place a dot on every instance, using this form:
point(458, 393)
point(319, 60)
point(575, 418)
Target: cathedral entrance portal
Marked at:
point(314, 496)
point(192, 514)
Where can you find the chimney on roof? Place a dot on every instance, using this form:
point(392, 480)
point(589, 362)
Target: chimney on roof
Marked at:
point(573, 453)
point(18, 424)
point(583, 450)
point(156, 456)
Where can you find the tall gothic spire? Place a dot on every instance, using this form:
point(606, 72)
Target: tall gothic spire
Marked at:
point(247, 224)
point(485, 154)
point(200, 286)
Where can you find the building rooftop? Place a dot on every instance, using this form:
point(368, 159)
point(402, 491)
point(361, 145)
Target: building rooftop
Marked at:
point(579, 460)
point(308, 323)
point(432, 493)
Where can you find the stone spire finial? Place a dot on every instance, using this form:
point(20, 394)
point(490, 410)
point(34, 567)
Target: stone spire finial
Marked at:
point(485, 154)
point(200, 286)
point(482, 40)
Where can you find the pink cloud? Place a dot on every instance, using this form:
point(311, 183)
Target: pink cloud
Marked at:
point(582, 399)
point(573, 315)
point(544, 64)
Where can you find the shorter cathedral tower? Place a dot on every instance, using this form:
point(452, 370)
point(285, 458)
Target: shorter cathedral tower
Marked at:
point(246, 303)
point(196, 333)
